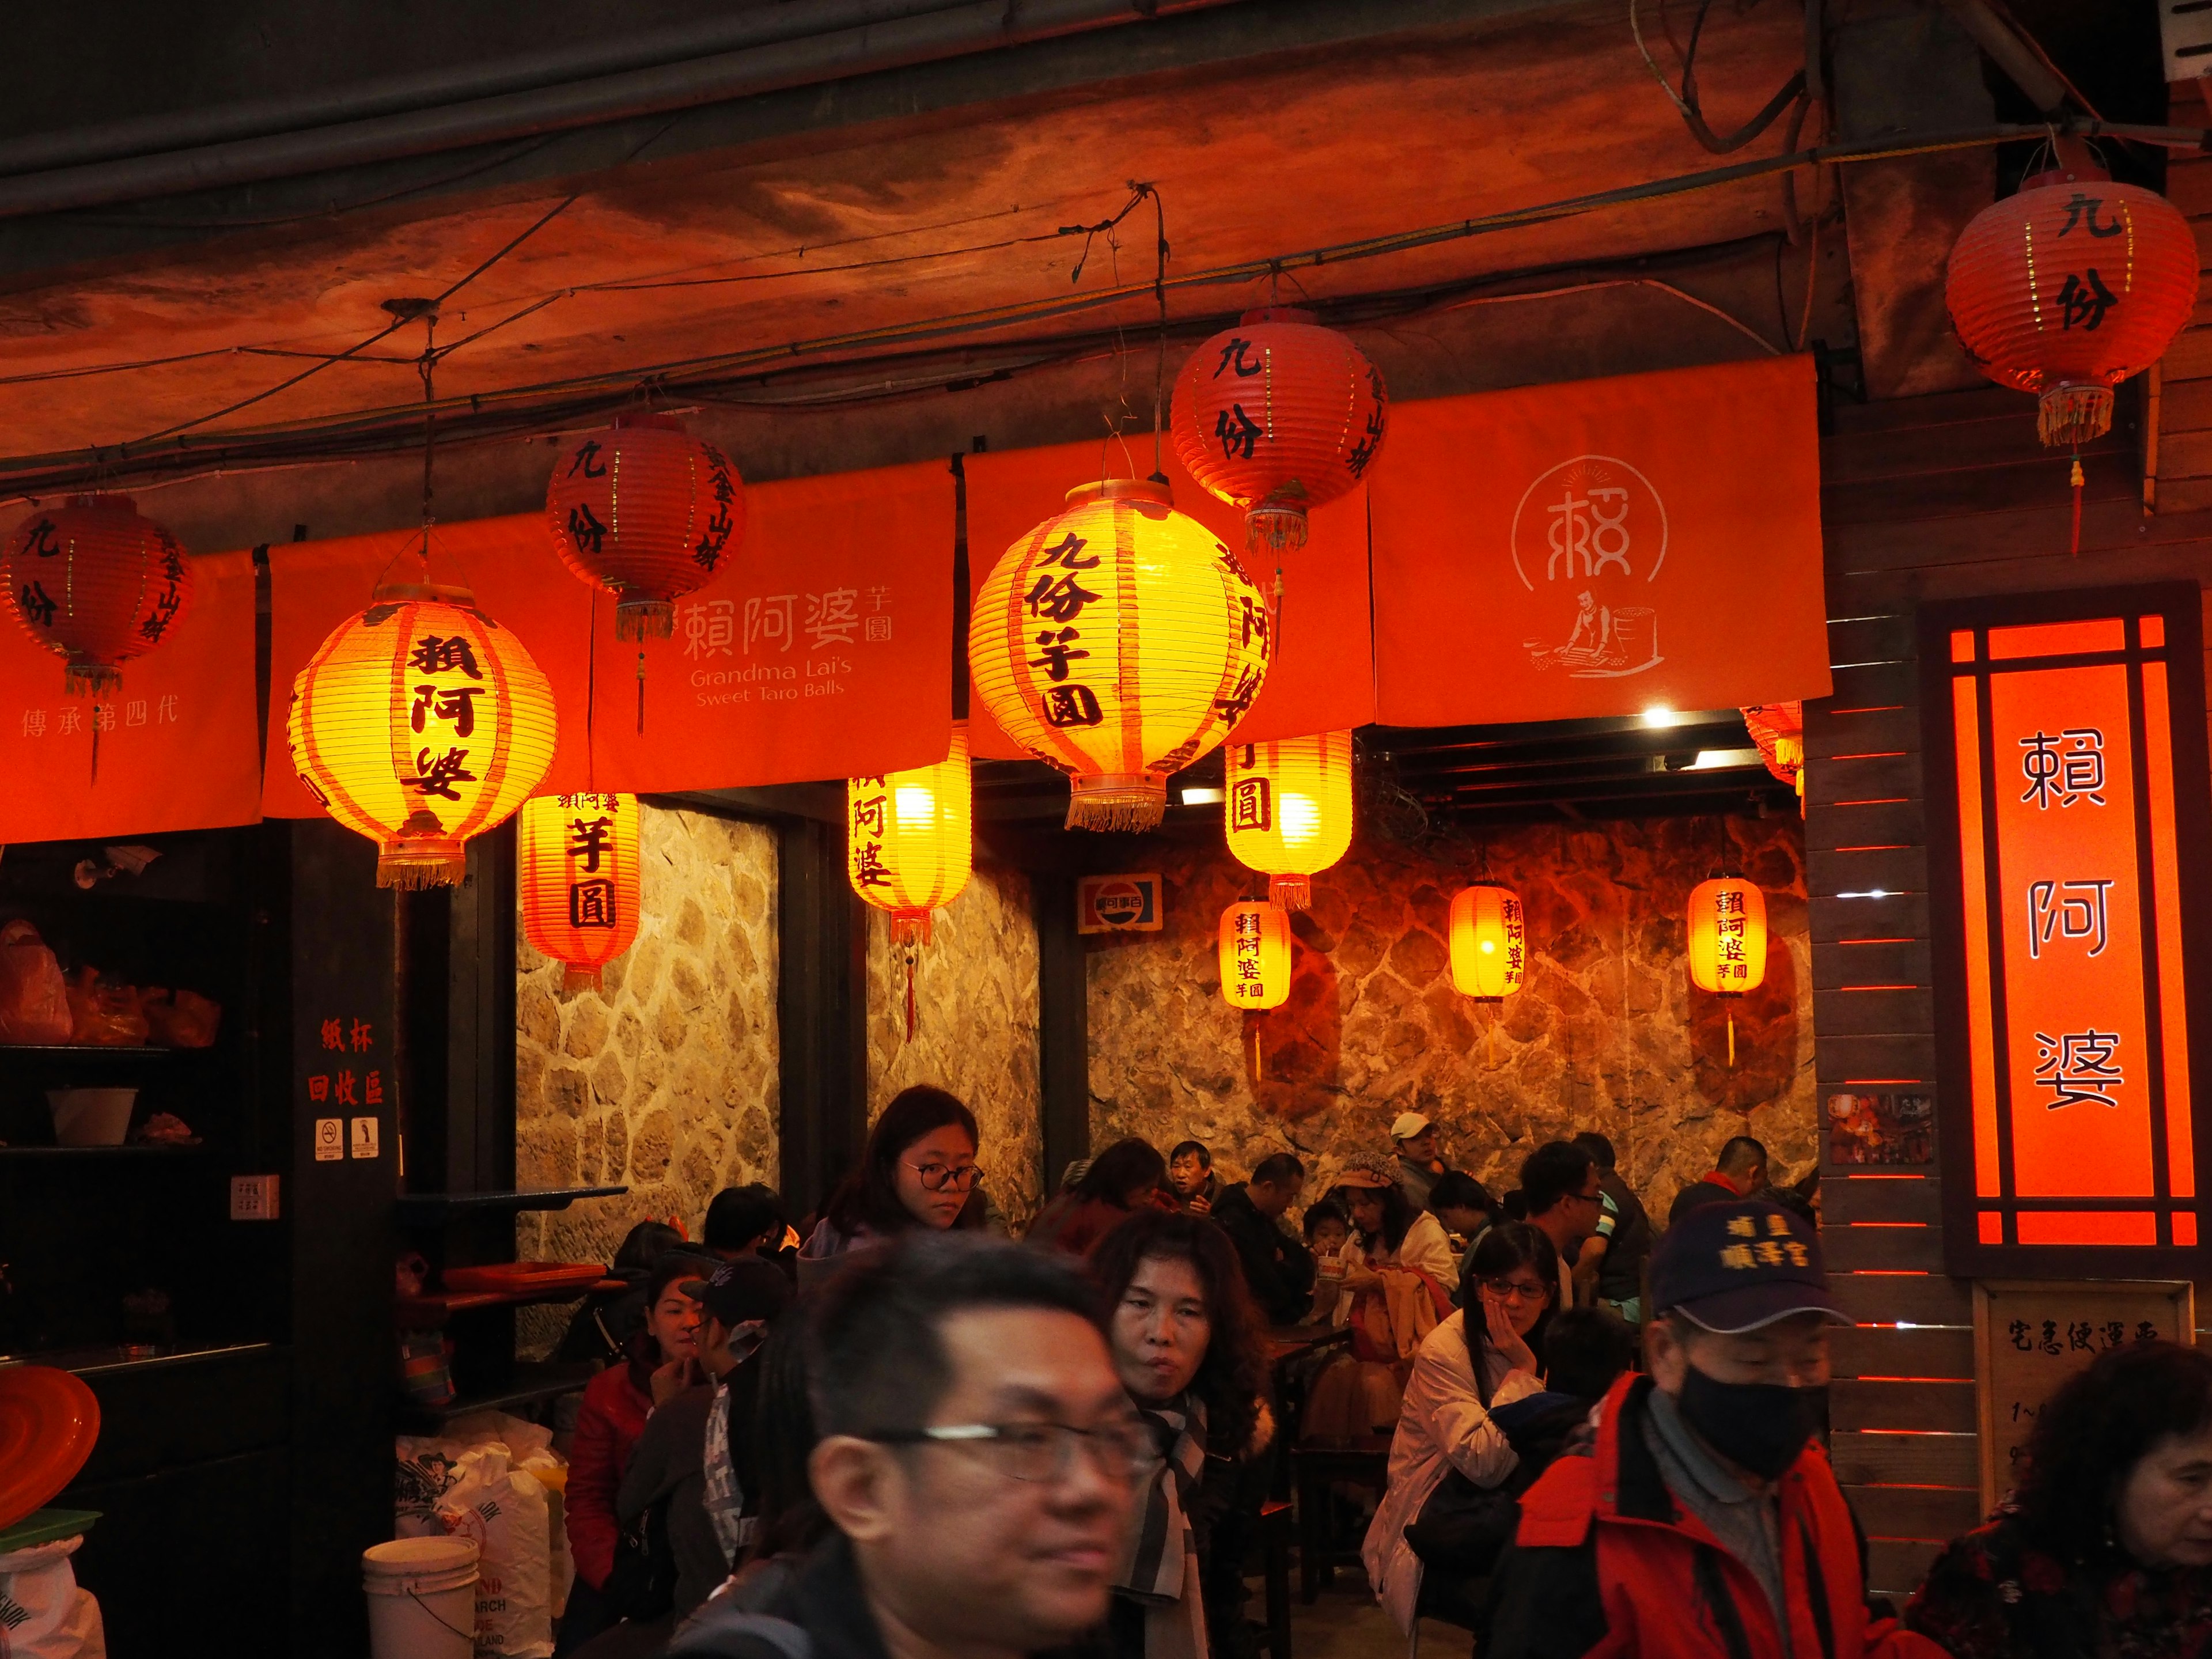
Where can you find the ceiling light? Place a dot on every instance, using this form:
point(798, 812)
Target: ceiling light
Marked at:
point(1660, 714)
point(1195, 795)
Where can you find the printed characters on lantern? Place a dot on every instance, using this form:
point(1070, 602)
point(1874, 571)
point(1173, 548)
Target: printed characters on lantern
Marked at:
point(580, 876)
point(1287, 810)
point(97, 583)
point(1254, 956)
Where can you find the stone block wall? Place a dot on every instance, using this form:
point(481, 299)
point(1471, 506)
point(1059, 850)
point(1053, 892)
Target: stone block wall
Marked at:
point(1607, 1034)
point(975, 1027)
point(665, 1080)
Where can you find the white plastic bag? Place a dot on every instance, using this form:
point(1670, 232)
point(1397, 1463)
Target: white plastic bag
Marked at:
point(504, 1510)
point(427, 1472)
point(43, 1613)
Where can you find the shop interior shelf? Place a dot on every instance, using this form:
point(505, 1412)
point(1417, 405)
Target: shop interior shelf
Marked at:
point(130, 1149)
point(438, 1206)
point(146, 1049)
point(531, 1383)
point(434, 1308)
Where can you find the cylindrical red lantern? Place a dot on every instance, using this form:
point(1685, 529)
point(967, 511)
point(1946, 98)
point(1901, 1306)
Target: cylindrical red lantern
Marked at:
point(97, 583)
point(578, 858)
point(1728, 940)
point(647, 512)
point(1488, 942)
point(1255, 956)
point(2068, 288)
point(1277, 416)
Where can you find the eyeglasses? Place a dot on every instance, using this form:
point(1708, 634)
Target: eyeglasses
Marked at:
point(937, 1177)
point(1514, 1289)
point(1122, 1452)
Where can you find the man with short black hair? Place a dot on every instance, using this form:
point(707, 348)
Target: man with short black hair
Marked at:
point(979, 1459)
point(1190, 1177)
point(1278, 1269)
point(1610, 1269)
point(1560, 1182)
point(1739, 1171)
point(745, 1221)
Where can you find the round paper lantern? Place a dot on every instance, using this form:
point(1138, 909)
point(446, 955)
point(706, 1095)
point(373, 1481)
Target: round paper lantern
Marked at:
point(1117, 643)
point(1255, 956)
point(647, 512)
point(578, 858)
point(909, 846)
point(97, 583)
point(1277, 416)
point(1779, 729)
point(1488, 942)
point(1728, 940)
point(1287, 807)
point(2068, 288)
point(420, 723)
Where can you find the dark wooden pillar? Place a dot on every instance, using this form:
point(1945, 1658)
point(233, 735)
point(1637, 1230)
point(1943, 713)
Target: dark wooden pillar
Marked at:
point(1063, 1024)
point(822, 1011)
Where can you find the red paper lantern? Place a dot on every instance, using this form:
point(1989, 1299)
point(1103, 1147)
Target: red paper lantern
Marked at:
point(2070, 287)
point(97, 583)
point(647, 512)
point(1277, 416)
point(1255, 956)
point(578, 858)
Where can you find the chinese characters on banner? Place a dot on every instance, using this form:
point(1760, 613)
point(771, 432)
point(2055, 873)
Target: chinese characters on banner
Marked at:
point(2073, 1055)
point(177, 747)
point(1601, 548)
point(821, 649)
point(2032, 1335)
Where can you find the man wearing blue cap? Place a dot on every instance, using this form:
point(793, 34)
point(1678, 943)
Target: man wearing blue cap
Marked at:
point(1702, 1519)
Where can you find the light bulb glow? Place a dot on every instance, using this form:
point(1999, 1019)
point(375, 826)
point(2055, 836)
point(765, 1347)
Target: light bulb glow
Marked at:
point(914, 805)
point(1301, 819)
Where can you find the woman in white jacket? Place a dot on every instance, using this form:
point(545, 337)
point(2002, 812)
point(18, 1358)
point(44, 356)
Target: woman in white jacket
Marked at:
point(1444, 1423)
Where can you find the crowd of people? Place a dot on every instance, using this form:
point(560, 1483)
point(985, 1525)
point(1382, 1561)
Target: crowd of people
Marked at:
point(893, 1433)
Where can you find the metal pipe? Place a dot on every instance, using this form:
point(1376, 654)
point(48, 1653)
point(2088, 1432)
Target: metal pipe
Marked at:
point(2021, 66)
point(152, 135)
point(950, 32)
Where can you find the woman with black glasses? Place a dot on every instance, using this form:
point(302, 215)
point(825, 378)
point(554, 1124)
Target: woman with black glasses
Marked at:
point(918, 1172)
point(1185, 1341)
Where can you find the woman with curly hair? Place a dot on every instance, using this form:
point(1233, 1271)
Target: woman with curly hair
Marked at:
point(2106, 1548)
point(1186, 1343)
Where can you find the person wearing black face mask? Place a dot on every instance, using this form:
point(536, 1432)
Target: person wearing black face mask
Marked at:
point(1702, 1519)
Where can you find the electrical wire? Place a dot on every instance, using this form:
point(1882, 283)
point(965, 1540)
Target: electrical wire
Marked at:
point(1685, 101)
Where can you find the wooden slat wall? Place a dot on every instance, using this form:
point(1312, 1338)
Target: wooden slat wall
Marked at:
point(1924, 499)
point(2181, 434)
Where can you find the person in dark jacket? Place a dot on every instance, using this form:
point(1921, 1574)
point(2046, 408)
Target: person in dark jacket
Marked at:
point(1127, 1176)
point(1612, 1258)
point(979, 1459)
point(1702, 1521)
point(1191, 1177)
point(1737, 1173)
point(1278, 1269)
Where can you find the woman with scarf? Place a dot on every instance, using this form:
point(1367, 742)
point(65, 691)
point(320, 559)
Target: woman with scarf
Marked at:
point(1186, 1343)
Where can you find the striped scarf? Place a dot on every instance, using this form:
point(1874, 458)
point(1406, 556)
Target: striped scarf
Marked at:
point(725, 1497)
point(1161, 1570)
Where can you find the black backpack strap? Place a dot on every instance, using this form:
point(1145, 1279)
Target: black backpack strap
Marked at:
point(722, 1629)
point(1816, 1590)
point(1713, 1591)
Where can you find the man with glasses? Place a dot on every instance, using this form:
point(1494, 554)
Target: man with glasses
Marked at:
point(979, 1459)
point(1560, 1181)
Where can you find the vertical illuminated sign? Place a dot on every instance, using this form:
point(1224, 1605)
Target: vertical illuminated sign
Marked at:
point(2065, 775)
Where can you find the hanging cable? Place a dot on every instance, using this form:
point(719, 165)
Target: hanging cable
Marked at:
point(1685, 101)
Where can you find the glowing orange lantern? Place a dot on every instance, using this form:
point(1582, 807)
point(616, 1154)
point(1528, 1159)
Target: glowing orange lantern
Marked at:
point(1117, 643)
point(97, 583)
point(1779, 729)
point(1288, 810)
point(2070, 287)
point(1488, 942)
point(1255, 956)
point(420, 723)
point(647, 512)
point(909, 845)
point(1277, 416)
point(580, 898)
point(1728, 940)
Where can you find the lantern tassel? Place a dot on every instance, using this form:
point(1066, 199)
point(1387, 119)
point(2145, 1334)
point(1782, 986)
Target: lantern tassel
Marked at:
point(90, 679)
point(96, 743)
point(412, 871)
point(641, 691)
point(2073, 413)
point(1291, 892)
point(910, 996)
point(579, 977)
point(1119, 802)
point(645, 619)
point(1731, 1028)
point(2076, 548)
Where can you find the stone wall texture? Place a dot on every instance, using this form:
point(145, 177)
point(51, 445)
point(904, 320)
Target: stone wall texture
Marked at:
point(975, 1027)
point(1606, 1033)
point(665, 1080)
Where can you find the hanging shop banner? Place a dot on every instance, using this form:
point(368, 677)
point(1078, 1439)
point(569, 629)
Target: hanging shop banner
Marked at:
point(1601, 548)
point(823, 650)
point(176, 747)
point(2066, 768)
point(1321, 679)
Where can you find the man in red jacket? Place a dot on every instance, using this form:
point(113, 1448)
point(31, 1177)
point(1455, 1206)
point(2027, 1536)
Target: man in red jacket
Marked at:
point(1703, 1521)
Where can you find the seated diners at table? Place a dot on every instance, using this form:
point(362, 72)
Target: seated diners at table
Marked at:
point(1186, 1345)
point(979, 1465)
point(616, 1405)
point(1278, 1270)
point(916, 1174)
point(1559, 1185)
point(1397, 1269)
point(1414, 1139)
point(747, 1220)
point(1128, 1175)
point(2105, 1546)
point(1191, 1178)
point(1485, 1355)
point(1328, 1230)
point(601, 1329)
point(1467, 1210)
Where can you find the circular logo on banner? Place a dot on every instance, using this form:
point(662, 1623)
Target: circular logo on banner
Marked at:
point(1119, 902)
point(1592, 532)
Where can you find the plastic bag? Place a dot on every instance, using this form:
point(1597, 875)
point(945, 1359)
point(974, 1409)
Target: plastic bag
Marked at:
point(43, 1613)
point(181, 1019)
point(505, 1511)
point(107, 1015)
point(34, 998)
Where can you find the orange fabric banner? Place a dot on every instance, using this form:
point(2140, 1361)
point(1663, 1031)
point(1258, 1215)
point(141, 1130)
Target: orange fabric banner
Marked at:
point(1320, 680)
point(1601, 547)
point(176, 742)
point(823, 650)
